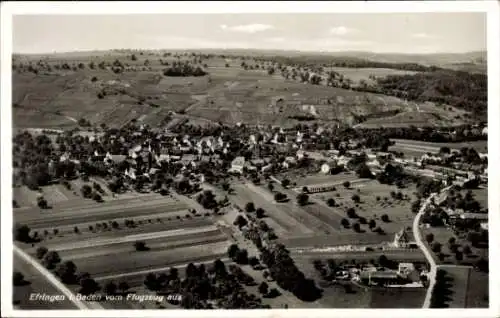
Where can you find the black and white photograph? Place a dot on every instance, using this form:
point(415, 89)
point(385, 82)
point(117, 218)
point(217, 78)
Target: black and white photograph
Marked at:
point(169, 160)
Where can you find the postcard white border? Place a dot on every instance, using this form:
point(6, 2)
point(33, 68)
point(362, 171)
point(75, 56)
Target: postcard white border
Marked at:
point(11, 8)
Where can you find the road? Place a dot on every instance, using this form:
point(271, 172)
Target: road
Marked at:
point(421, 244)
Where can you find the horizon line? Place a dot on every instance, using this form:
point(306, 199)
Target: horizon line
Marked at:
point(247, 49)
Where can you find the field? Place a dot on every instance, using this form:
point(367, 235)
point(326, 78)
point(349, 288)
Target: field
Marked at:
point(477, 293)
point(363, 74)
point(317, 224)
point(398, 211)
point(442, 235)
point(459, 281)
point(59, 98)
point(87, 235)
point(415, 147)
point(323, 179)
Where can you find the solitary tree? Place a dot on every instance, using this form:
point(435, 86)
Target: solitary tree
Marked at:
point(123, 286)
point(250, 207)
point(18, 278)
point(429, 238)
point(140, 246)
point(232, 250)
point(41, 251)
point(302, 199)
point(356, 198)
point(240, 221)
point(331, 202)
point(436, 247)
point(372, 224)
point(110, 288)
point(344, 222)
point(51, 259)
point(263, 288)
point(260, 213)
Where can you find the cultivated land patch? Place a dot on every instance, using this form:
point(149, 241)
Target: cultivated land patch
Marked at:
point(433, 147)
point(460, 283)
point(478, 290)
point(129, 261)
point(94, 212)
point(286, 222)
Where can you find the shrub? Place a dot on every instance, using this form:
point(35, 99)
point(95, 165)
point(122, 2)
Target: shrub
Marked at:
point(41, 251)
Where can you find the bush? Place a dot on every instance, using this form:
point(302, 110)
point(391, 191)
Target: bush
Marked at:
point(18, 279)
point(250, 207)
point(260, 213)
point(344, 222)
point(346, 184)
point(429, 238)
point(140, 246)
point(372, 224)
point(436, 247)
point(356, 227)
point(41, 251)
point(331, 202)
point(384, 218)
point(356, 198)
point(302, 199)
point(351, 213)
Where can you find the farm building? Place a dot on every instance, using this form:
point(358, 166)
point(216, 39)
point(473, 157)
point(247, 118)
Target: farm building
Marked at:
point(385, 277)
point(404, 239)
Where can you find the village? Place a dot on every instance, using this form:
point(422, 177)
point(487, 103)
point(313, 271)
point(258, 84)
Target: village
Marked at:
point(212, 166)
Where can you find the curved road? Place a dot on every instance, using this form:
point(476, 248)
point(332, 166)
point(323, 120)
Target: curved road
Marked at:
point(418, 239)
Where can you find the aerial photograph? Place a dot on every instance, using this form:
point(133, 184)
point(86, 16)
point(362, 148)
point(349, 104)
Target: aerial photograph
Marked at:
point(250, 161)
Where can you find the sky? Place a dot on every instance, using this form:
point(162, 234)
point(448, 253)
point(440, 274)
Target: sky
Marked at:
point(328, 32)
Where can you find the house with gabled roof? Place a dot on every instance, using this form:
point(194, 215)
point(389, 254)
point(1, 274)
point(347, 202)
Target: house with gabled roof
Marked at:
point(404, 239)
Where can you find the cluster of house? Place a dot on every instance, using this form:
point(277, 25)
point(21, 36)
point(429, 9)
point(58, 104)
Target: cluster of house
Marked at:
point(406, 275)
